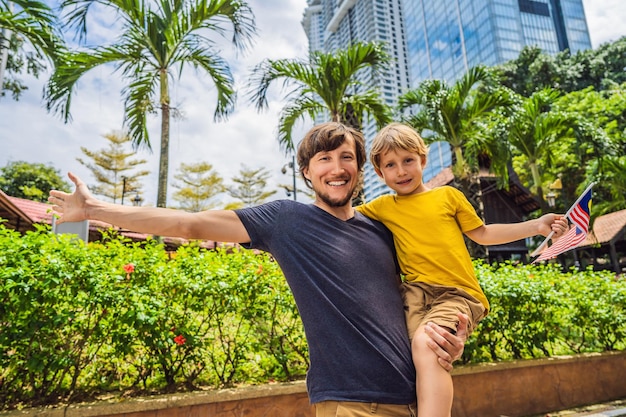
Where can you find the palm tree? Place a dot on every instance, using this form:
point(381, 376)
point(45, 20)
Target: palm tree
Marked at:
point(34, 22)
point(533, 130)
point(457, 114)
point(329, 83)
point(157, 36)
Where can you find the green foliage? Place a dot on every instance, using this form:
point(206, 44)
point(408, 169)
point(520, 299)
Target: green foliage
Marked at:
point(19, 62)
point(538, 311)
point(31, 181)
point(157, 41)
point(535, 70)
point(34, 36)
point(116, 317)
point(78, 320)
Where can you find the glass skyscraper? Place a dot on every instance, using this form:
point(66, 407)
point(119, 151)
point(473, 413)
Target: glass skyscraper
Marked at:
point(447, 37)
point(441, 40)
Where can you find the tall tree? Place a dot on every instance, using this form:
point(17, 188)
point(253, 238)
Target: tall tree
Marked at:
point(26, 22)
point(335, 84)
point(534, 129)
point(534, 70)
point(32, 181)
point(113, 170)
point(613, 178)
point(198, 186)
point(157, 37)
point(250, 186)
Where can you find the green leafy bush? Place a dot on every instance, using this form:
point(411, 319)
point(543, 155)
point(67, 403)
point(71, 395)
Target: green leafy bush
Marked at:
point(78, 321)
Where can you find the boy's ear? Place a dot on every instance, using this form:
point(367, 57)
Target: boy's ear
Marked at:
point(380, 174)
point(424, 159)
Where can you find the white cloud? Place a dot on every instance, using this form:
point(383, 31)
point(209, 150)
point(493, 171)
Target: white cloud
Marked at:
point(605, 20)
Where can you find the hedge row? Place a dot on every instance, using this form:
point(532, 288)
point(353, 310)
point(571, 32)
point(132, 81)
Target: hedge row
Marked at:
point(77, 321)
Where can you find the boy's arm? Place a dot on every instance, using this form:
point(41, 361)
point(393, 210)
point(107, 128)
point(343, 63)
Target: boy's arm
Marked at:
point(499, 233)
point(217, 225)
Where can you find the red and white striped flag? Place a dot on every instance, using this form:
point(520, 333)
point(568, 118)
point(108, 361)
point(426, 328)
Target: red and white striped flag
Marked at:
point(579, 216)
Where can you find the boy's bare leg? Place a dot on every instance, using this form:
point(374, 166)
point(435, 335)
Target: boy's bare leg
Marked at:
point(434, 384)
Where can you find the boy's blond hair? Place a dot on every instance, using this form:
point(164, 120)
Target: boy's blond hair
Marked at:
point(396, 136)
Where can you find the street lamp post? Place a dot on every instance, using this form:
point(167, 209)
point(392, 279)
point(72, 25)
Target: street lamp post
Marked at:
point(291, 165)
point(123, 188)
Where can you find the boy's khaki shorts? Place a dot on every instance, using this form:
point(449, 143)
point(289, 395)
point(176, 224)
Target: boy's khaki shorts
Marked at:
point(359, 409)
point(439, 304)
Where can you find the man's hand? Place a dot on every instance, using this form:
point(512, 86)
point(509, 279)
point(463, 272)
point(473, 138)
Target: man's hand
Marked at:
point(447, 346)
point(71, 207)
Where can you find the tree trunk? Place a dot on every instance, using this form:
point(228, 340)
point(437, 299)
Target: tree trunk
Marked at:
point(164, 157)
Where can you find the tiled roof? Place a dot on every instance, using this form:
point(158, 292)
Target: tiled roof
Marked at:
point(444, 177)
point(36, 211)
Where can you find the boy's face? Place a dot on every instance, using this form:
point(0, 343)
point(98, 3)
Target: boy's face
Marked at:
point(403, 171)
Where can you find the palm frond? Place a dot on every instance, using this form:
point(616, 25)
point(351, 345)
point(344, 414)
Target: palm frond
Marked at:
point(290, 114)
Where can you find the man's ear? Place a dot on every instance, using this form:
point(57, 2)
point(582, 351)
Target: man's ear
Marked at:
point(305, 173)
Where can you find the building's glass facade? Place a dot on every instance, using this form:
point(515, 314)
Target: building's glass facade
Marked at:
point(441, 40)
point(447, 37)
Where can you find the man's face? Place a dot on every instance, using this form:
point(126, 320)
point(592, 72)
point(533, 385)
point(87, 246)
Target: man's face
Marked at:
point(334, 175)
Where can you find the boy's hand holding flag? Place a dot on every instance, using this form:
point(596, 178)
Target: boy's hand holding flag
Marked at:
point(578, 215)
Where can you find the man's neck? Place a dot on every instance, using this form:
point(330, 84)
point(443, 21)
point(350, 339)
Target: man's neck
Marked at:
point(345, 212)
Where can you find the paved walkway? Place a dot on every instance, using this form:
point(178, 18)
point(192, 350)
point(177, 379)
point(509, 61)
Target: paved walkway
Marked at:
point(611, 409)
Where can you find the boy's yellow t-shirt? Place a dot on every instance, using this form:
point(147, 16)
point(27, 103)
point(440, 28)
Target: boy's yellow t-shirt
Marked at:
point(428, 234)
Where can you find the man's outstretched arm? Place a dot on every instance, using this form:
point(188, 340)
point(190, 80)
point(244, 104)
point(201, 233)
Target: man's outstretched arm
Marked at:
point(216, 225)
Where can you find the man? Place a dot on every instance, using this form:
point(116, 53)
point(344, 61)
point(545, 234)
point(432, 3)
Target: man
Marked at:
point(339, 265)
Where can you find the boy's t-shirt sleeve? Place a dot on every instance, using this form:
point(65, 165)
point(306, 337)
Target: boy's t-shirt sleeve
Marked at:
point(370, 209)
point(466, 214)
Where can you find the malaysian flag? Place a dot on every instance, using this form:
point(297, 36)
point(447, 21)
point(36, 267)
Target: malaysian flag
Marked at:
point(579, 216)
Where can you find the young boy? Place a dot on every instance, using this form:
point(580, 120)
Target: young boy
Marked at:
point(428, 227)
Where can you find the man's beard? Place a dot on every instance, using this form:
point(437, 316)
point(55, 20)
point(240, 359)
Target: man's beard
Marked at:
point(326, 199)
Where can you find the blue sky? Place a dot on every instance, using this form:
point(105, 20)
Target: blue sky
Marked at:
point(29, 133)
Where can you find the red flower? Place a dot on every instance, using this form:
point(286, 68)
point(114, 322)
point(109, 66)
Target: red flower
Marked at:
point(180, 340)
point(128, 268)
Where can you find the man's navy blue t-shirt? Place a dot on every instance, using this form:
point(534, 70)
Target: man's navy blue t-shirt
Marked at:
point(343, 275)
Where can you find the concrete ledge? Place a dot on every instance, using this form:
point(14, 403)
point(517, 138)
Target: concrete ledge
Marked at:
point(524, 388)
point(293, 392)
point(512, 389)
